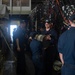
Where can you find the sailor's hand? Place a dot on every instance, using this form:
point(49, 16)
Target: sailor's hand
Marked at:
point(48, 37)
point(18, 48)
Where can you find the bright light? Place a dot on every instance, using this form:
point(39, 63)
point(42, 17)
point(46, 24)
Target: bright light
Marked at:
point(12, 27)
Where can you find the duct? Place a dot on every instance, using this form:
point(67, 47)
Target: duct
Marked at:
point(4, 13)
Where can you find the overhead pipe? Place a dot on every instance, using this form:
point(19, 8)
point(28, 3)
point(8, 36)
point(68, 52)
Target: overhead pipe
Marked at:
point(11, 7)
point(64, 18)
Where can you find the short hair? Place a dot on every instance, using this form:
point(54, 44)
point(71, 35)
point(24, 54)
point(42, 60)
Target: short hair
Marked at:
point(72, 18)
point(22, 21)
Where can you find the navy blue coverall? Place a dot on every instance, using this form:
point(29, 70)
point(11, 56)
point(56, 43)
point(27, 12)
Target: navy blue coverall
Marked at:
point(66, 46)
point(21, 36)
point(50, 52)
point(36, 48)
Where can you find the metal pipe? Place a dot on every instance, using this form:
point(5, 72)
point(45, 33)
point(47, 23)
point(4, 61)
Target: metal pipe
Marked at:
point(11, 7)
